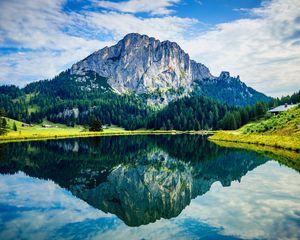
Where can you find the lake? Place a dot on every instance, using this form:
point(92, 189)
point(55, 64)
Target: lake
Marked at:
point(144, 187)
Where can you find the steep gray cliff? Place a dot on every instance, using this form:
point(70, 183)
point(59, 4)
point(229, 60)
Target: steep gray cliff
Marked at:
point(163, 72)
point(142, 64)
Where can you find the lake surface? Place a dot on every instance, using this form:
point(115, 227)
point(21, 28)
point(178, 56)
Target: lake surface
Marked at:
point(144, 187)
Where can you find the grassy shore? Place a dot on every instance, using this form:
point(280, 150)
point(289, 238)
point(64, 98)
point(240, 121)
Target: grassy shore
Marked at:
point(288, 158)
point(277, 141)
point(280, 131)
point(37, 132)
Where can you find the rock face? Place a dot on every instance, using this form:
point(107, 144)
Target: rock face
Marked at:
point(144, 65)
point(230, 90)
point(141, 64)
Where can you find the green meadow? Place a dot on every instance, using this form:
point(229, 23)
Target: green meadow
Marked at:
point(37, 131)
point(280, 131)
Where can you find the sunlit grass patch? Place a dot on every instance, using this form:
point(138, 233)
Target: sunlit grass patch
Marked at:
point(286, 142)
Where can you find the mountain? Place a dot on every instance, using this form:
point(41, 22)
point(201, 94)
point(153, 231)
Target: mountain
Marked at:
point(141, 64)
point(138, 83)
point(144, 65)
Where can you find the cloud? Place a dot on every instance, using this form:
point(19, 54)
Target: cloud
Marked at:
point(22, 68)
point(47, 39)
point(198, 2)
point(157, 7)
point(263, 50)
point(248, 210)
point(119, 24)
point(35, 29)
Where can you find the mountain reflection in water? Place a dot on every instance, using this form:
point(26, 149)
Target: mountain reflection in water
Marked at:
point(139, 178)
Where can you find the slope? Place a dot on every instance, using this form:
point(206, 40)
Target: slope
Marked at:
point(282, 131)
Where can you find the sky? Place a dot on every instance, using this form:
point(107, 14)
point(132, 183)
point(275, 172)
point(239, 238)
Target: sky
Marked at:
point(257, 40)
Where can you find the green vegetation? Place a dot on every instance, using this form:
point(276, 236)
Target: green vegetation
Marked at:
point(196, 113)
point(286, 142)
point(15, 127)
point(285, 124)
point(281, 131)
point(95, 125)
point(54, 130)
point(74, 99)
point(3, 123)
point(230, 91)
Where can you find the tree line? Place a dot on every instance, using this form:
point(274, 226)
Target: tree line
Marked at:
point(39, 100)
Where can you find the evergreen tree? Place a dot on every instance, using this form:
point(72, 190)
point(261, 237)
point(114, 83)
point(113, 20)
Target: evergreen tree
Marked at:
point(197, 125)
point(15, 127)
point(95, 125)
point(3, 123)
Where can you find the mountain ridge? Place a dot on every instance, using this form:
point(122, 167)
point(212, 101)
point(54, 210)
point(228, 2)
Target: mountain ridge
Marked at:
point(185, 97)
point(142, 64)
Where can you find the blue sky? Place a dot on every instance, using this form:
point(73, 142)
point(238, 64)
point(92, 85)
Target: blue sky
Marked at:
point(258, 40)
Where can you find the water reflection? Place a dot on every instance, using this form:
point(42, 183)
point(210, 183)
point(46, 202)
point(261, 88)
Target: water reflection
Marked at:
point(142, 179)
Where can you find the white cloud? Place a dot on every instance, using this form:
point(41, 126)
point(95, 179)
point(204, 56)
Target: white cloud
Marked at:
point(264, 51)
point(50, 40)
point(264, 205)
point(35, 27)
point(119, 24)
point(157, 7)
point(23, 68)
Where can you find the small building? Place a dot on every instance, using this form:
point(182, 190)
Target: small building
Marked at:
point(282, 108)
point(25, 125)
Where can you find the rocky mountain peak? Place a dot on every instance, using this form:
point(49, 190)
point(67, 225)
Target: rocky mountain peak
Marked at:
point(224, 75)
point(142, 64)
point(162, 71)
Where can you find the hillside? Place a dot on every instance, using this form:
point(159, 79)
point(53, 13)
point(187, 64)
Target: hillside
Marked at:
point(282, 131)
point(285, 124)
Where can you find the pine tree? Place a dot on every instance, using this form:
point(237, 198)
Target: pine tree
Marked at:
point(3, 126)
point(95, 125)
point(197, 125)
point(15, 127)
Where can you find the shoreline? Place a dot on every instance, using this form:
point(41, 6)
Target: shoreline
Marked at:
point(283, 156)
point(275, 141)
point(34, 136)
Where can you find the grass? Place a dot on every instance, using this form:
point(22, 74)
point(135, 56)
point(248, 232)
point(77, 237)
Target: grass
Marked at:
point(37, 132)
point(280, 131)
point(285, 142)
point(285, 124)
point(277, 141)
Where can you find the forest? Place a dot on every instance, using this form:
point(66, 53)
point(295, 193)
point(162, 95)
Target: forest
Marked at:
point(61, 102)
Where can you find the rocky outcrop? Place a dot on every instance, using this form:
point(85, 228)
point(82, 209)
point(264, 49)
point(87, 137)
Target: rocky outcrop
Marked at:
point(144, 65)
point(141, 64)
